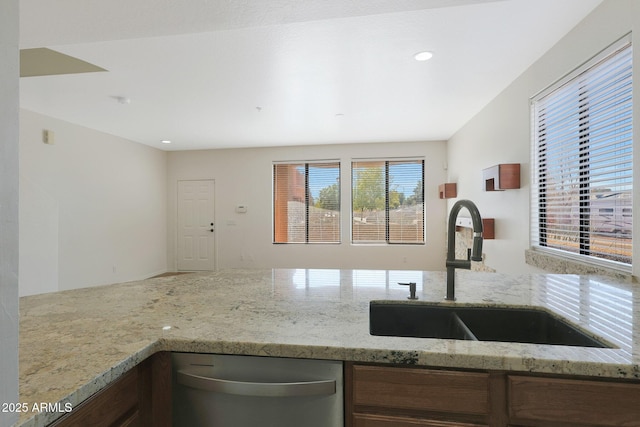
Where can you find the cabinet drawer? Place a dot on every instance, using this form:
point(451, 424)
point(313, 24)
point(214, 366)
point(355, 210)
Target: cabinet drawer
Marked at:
point(533, 401)
point(421, 389)
point(365, 420)
point(117, 405)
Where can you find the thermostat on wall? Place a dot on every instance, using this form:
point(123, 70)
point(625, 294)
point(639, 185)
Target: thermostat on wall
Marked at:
point(241, 209)
point(48, 137)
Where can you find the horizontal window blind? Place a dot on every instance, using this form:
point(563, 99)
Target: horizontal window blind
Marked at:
point(582, 192)
point(387, 198)
point(306, 202)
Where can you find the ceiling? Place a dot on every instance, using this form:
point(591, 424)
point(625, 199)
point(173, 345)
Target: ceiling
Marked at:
point(251, 73)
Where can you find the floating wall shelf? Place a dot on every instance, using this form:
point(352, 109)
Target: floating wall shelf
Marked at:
point(488, 226)
point(501, 177)
point(448, 190)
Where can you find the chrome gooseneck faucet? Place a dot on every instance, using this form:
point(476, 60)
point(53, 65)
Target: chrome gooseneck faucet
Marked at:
point(475, 253)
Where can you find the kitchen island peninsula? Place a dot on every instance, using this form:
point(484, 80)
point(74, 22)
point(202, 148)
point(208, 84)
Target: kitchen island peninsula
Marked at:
point(73, 344)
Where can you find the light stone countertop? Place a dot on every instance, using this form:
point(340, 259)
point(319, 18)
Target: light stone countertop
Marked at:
point(74, 343)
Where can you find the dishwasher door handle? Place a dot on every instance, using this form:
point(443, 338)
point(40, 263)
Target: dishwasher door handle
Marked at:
point(243, 388)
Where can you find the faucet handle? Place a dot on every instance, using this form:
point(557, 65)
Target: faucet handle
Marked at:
point(476, 253)
point(412, 289)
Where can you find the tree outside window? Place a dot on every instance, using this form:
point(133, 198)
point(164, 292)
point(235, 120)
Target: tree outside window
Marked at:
point(388, 201)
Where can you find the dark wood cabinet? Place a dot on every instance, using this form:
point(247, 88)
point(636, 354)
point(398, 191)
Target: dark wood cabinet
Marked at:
point(141, 397)
point(364, 420)
point(398, 396)
point(381, 396)
point(537, 401)
point(386, 396)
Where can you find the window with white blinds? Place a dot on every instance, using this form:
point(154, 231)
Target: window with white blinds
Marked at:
point(306, 202)
point(582, 189)
point(387, 198)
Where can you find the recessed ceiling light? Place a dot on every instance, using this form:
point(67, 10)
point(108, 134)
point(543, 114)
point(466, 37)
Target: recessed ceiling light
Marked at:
point(166, 141)
point(423, 56)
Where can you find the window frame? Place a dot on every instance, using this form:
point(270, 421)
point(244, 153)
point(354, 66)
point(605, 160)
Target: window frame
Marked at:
point(387, 240)
point(307, 198)
point(538, 226)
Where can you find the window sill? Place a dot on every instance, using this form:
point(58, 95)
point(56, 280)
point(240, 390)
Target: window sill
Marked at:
point(562, 265)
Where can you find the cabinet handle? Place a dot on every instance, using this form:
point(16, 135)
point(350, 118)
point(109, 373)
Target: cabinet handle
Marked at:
point(243, 388)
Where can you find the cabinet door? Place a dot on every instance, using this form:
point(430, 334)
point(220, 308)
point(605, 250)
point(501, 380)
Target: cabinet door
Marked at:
point(539, 401)
point(366, 420)
point(140, 398)
point(421, 389)
point(117, 405)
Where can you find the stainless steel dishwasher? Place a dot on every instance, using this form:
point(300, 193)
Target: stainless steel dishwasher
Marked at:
point(215, 390)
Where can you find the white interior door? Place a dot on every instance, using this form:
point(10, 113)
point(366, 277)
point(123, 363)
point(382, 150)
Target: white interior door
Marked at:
point(196, 225)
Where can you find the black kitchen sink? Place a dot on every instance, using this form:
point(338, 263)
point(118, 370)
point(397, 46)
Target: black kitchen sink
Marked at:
point(416, 320)
point(479, 323)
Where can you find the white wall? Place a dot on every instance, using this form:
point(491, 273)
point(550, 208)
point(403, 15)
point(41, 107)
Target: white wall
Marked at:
point(500, 133)
point(92, 207)
point(9, 71)
point(244, 176)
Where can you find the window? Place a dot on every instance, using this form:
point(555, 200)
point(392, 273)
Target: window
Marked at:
point(582, 192)
point(387, 200)
point(306, 202)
